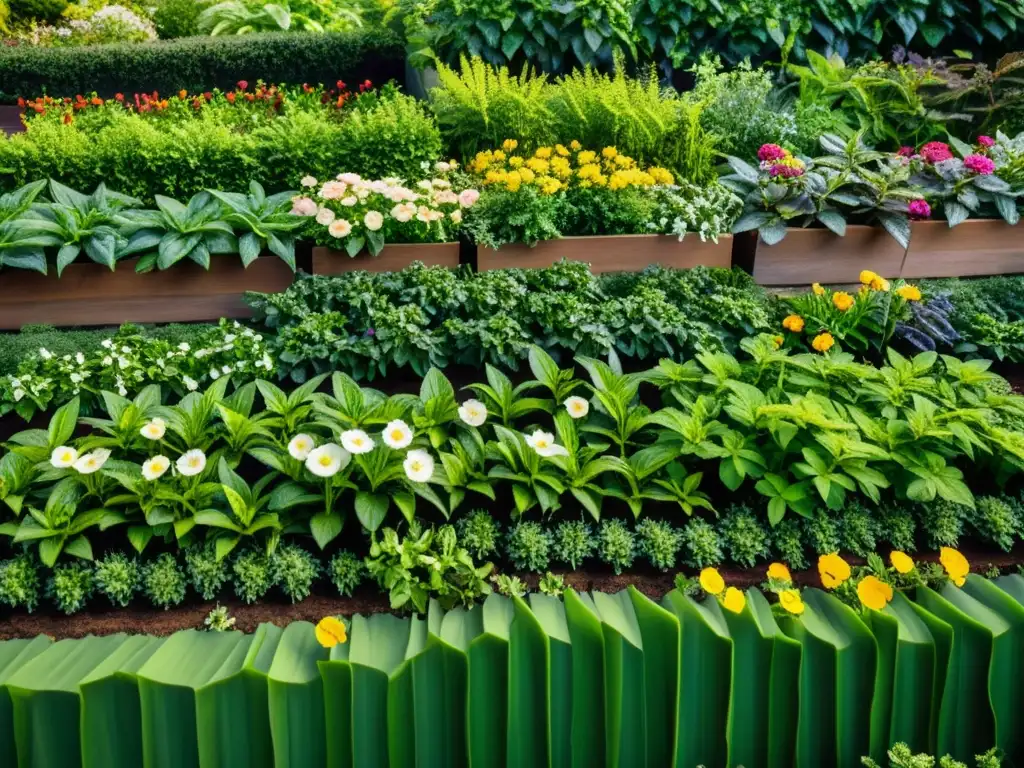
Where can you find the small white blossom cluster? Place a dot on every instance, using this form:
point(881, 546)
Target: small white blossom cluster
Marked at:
point(350, 205)
point(109, 24)
point(128, 361)
point(707, 212)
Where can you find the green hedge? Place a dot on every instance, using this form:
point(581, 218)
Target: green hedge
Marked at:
point(201, 63)
point(593, 680)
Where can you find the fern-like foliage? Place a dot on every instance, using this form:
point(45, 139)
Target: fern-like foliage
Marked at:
point(478, 106)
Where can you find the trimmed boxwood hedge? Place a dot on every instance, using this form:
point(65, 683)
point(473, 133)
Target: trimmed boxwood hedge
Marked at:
point(201, 63)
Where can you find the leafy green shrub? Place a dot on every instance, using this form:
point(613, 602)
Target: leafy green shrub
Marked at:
point(788, 543)
point(996, 521)
point(902, 756)
point(744, 536)
point(198, 64)
point(572, 542)
point(529, 546)
point(254, 574)
point(43, 11)
point(163, 581)
point(509, 586)
point(822, 533)
point(897, 525)
point(295, 570)
point(658, 541)
point(346, 572)
point(524, 216)
point(177, 18)
point(118, 577)
point(702, 544)
point(479, 533)
point(942, 522)
point(616, 545)
point(19, 582)
point(552, 585)
point(71, 586)
point(219, 620)
point(858, 529)
point(206, 573)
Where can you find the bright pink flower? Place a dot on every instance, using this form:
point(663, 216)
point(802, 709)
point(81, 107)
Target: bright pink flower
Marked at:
point(986, 141)
point(243, 84)
point(906, 152)
point(919, 209)
point(981, 165)
point(936, 152)
point(769, 152)
point(786, 171)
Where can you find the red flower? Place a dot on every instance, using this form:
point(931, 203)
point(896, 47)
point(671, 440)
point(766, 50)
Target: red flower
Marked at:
point(230, 97)
point(769, 152)
point(365, 86)
point(21, 102)
point(250, 97)
point(936, 152)
point(207, 95)
point(906, 152)
point(97, 101)
point(243, 84)
point(340, 85)
point(118, 97)
point(67, 118)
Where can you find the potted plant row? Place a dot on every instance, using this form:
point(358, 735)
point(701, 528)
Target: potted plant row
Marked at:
point(893, 196)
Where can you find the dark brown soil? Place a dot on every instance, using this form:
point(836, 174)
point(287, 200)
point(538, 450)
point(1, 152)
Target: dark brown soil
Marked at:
point(369, 600)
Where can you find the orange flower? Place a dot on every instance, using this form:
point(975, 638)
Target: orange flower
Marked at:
point(96, 101)
point(230, 96)
point(842, 300)
point(823, 342)
point(778, 341)
point(182, 94)
point(793, 323)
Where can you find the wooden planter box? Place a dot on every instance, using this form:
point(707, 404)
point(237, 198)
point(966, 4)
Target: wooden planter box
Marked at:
point(982, 247)
point(808, 256)
point(393, 258)
point(90, 294)
point(10, 119)
point(614, 253)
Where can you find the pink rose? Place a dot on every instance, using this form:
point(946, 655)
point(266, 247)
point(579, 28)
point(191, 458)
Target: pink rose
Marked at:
point(468, 198)
point(936, 152)
point(303, 206)
point(981, 165)
point(349, 178)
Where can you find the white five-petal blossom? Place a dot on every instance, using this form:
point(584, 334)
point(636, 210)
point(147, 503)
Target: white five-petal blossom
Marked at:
point(63, 457)
point(92, 462)
point(155, 467)
point(473, 412)
point(578, 407)
point(300, 446)
point(419, 466)
point(154, 429)
point(356, 441)
point(192, 462)
point(327, 460)
point(544, 444)
point(397, 434)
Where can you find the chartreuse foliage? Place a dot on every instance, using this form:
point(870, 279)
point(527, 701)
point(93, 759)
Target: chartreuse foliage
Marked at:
point(594, 679)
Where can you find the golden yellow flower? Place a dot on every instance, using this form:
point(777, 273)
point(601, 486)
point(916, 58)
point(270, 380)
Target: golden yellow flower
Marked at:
point(833, 570)
point(779, 572)
point(818, 290)
point(793, 323)
point(880, 284)
point(561, 150)
point(661, 176)
point(956, 565)
point(609, 152)
point(823, 342)
point(867, 276)
point(575, 146)
point(498, 155)
point(549, 186)
point(538, 165)
point(734, 600)
point(589, 156)
point(874, 593)
point(543, 152)
point(516, 162)
point(901, 561)
point(330, 632)
point(711, 581)
point(526, 175)
point(791, 601)
point(842, 300)
point(909, 292)
point(509, 145)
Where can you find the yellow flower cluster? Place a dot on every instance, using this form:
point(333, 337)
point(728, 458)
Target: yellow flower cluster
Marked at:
point(789, 598)
point(711, 581)
point(873, 281)
point(555, 169)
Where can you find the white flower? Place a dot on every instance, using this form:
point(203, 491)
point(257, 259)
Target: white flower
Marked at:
point(356, 441)
point(300, 446)
point(339, 228)
point(93, 461)
point(468, 198)
point(577, 407)
point(184, 346)
point(226, 370)
point(419, 466)
point(544, 444)
point(473, 412)
point(324, 216)
point(80, 358)
point(126, 349)
point(349, 201)
point(154, 430)
point(63, 457)
point(107, 344)
point(456, 216)
point(403, 212)
point(18, 395)
point(155, 467)
point(373, 220)
point(327, 460)
point(308, 181)
point(45, 353)
point(76, 378)
point(397, 434)
point(108, 361)
point(349, 178)
point(214, 374)
point(190, 384)
point(192, 462)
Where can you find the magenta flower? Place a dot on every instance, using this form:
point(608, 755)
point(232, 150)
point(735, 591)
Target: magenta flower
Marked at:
point(986, 141)
point(906, 152)
point(919, 209)
point(770, 152)
point(785, 171)
point(981, 165)
point(936, 152)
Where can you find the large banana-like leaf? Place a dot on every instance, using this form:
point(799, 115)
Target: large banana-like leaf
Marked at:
point(336, 674)
point(551, 614)
point(588, 709)
point(296, 699)
point(14, 654)
point(528, 666)
point(659, 631)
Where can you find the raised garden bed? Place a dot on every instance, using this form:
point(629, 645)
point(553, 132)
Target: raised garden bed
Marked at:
point(615, 253)
point(981, 247)
point(91, 294)
point(328, 261)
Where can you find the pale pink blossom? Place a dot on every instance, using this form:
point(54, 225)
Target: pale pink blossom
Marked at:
point(373, 220)
point(333, 190)
point(349, 201)
point(339, 228)
point(445, 196)
point(456, 216)
point(308, 181)
point(349, 178)
point(303, 206)
point(324, 216)
point(468, 198)
point(403, 212)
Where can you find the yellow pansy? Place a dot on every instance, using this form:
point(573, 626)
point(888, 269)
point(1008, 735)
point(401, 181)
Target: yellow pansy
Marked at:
point(833, 570)
point(790, 600)
point(818, 290)
point(793, 323)
point(901, 561)
point(880, 284)
point(330, 632)
point(734, 600)
point(956, 565)
point(711, 581)
point(509, 145)
point(779, 572)
point(874, 593)
point(867, 276)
